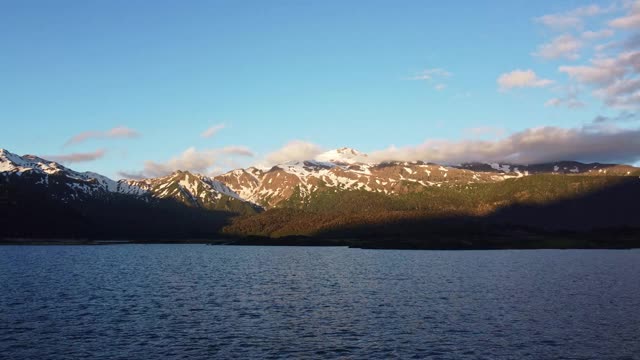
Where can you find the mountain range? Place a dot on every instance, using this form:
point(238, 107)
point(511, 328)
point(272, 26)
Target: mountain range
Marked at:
point(334, 191)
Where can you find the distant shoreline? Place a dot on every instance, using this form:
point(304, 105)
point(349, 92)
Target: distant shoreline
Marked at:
point(539, 243)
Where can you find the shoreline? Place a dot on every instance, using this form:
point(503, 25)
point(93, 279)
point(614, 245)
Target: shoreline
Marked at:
point(447, 243)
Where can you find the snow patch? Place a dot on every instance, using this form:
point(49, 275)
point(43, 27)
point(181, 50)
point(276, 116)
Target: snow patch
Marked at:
point(503, 168)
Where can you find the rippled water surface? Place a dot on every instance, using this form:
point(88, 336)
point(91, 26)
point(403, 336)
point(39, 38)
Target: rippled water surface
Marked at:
point(198, 302)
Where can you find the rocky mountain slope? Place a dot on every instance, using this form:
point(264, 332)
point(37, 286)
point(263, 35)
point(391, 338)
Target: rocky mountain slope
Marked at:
point(248, 190)
point(335, 191)
point(67, 185)
point(348, 169)
point(192, 190)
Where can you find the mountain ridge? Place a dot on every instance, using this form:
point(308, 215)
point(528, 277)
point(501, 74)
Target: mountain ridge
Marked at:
point(313, 199)
point(191, 189)
point(254, 188)
point(269, 188)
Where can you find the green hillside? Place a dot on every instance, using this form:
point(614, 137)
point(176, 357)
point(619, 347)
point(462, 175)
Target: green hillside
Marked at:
point(327, 209)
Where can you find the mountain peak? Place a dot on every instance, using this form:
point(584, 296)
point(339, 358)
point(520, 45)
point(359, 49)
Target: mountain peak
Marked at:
point(343, 155)
point(348, 150)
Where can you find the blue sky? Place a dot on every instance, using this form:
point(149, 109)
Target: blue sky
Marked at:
point(326, 74)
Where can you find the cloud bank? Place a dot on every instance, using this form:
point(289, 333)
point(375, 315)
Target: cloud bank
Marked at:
point(612, 74)
point(296, 150)
point(614, 79)
point(206, 161)
point(599, 141)
point(535, 145)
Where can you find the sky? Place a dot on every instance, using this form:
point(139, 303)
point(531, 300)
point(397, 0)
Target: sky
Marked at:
point(143, 88)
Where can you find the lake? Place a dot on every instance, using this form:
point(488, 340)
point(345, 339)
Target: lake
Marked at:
point(202, 302)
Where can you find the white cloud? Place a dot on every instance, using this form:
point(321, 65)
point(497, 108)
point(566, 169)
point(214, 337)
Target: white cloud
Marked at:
point(521, 79)
point(135, 175)
point(624, 116)
point(429, 74)
point(615, 80)
point(433, 74)
point(569, 99)
point(597, 35)
point(600, 140)
point(628, 22)
point(530, 146)
point(117, 132)
point(572, 18)
point(296, 150)
point(210, 132)
point(564, 46)
point(631, 20)
point(77, 157)
point(559, 22)
point(571, 103)
point(535, 145)
point(197, 161)
point(629, 44)
point(601, 71)
point(237, 150)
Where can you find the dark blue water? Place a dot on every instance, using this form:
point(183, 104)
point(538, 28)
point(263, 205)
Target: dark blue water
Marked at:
point(200, 302)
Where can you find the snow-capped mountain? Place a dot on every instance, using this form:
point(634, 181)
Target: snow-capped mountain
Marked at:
point(302, 178)
point(193, 190)
point(67, 185)
point(243, 190)
point(343, 156)
point(339, 188)
point(349, 169)
point(560, 167)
